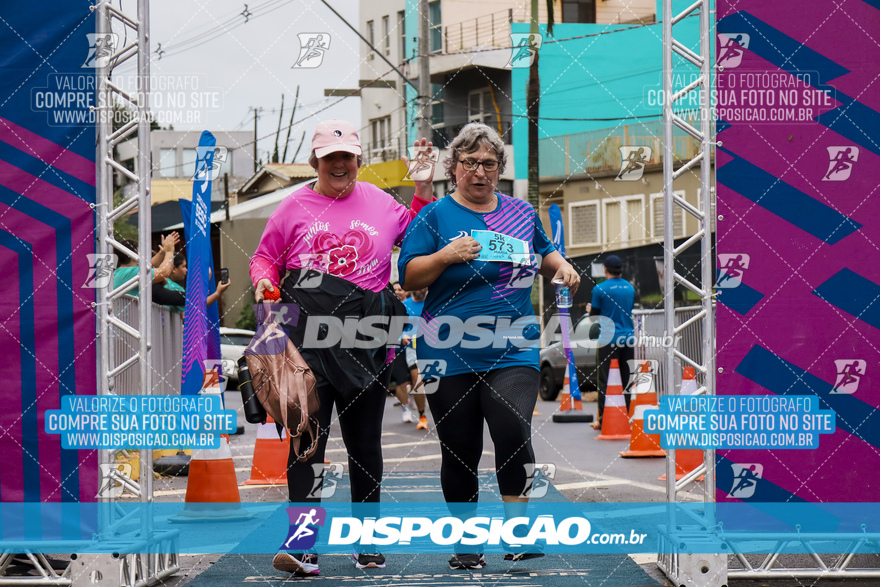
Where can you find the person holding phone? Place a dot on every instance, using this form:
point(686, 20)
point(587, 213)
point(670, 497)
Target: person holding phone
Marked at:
point(172, 291)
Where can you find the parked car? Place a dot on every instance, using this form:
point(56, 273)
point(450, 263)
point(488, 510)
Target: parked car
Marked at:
point(233, 341)
point(553, 363)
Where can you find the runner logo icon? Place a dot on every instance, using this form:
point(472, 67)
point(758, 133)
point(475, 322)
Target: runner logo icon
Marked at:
point(633, 159)
point(314, 265)
point(101, 48)
point(431, 370)
point(849, 374)
point(203, 173)
point(745, 479)
point(327, 477)
point(100, 270)
point(840, 162)
point(523, 49)
point(538, 477)
point(730, 269)
point(304, 523)
point(731, 47)
point(312, 49)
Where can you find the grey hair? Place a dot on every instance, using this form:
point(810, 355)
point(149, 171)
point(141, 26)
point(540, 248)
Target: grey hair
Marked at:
point(468, 141)
point(313, 160)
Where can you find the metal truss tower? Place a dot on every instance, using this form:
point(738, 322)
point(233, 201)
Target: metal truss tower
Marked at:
point(154, 556)
point(680, 555)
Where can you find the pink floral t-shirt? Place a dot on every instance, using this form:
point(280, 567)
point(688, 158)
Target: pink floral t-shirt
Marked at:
point(349, 237)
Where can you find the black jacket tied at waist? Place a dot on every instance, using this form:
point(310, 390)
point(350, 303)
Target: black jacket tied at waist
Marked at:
point(347, 367)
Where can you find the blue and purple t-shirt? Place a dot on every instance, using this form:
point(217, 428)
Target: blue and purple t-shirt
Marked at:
point(478, 315)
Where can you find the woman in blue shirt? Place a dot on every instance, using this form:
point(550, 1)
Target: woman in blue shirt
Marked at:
point(479, 333)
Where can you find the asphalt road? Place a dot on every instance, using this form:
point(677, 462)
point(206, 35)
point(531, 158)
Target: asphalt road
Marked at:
point(587, 470)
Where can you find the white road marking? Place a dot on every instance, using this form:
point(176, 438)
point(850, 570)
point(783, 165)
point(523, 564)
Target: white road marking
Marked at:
point(589, 484)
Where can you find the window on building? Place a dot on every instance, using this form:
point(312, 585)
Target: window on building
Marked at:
point(658, 216)
point(386, 35)
point(371, 37)
point(438, 117)
point(401, 29)
point(436, 25)
point(380, 139)
point(188, 163)
point(226, 166)
point(583, 11)
point(167, 162)
point(480, 106)
point(583, 223)
point(624, 220)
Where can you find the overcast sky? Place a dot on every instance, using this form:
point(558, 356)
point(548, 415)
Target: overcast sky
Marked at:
point(223, 74)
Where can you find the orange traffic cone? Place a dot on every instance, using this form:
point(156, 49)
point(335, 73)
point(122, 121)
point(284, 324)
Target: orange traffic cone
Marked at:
point(270, 456)
point(642, 392)
point(565, 401)
point(687, 459)
point(615, 424)
point(570, 410)
point(212, 489)
point(642, 444)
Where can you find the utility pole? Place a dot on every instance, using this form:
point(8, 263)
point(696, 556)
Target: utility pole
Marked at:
point(256, 111)
point(423, 115)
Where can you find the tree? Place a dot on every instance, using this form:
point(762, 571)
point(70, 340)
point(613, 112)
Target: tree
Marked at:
point(282, 157)
point(533, 105)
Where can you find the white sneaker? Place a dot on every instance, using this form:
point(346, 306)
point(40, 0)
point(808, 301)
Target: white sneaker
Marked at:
point(407, 416)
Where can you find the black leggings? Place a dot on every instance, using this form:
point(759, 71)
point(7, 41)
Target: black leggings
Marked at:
point(505, 399)
point(604, 354)
point(360, 419)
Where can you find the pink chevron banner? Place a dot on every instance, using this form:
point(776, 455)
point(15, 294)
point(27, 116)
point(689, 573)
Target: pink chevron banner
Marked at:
point(47, 246)
point(798, 246)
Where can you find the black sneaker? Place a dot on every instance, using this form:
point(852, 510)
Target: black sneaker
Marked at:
point(369, 561)
point(305, 564)
point(522, 556)
point(467, 561)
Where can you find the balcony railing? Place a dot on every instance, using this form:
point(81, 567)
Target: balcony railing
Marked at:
point(488, 30)
point(598, 151)
point(382, 154)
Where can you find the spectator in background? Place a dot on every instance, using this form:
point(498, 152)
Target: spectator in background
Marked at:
point(400, 292)
point(126, 267)
point(614, 298)
point(172, 292)
point(414, 305)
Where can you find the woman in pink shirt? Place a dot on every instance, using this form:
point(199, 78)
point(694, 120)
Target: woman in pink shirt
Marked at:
point(335, 237)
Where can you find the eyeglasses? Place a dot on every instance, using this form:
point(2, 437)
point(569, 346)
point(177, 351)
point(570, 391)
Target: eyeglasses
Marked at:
point(472, 164)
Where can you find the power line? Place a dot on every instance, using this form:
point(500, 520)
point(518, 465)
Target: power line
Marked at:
point(223, 28)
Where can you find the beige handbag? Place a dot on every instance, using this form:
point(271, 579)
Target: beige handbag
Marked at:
point(285, 386)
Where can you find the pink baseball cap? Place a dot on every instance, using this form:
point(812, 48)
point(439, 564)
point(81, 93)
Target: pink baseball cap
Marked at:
point(335, 135)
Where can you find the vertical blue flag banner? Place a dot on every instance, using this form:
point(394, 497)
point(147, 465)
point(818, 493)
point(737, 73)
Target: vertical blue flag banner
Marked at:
point(213, 343)
point(195, 328)
point(558, 236)
point(556, 228)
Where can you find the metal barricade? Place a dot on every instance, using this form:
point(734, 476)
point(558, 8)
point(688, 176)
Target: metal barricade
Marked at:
point(167, 355)
point(651, 338)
